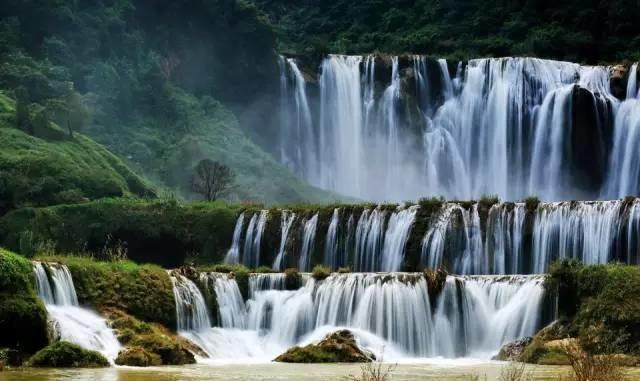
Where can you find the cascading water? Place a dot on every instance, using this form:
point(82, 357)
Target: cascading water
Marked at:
point(369, 239)
point(72, 323)
point(512, 118)
point(624, 166)
point(473, 316)
point(331, 243)
point(504, 241)
point(398, 229)
point(632, 83)
point(308, 243)
point(233, 255)
point(287, 219)
point(253, 239)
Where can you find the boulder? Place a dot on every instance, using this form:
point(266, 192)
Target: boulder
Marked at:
point(618, 81)
point(513, 350)
point(336, 347)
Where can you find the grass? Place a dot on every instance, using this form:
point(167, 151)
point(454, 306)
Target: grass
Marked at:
point(40, 170)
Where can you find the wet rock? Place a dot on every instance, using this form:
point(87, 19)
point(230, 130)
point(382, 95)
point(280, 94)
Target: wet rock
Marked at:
point(618, 81)
point(339, 346)
point(512, 351)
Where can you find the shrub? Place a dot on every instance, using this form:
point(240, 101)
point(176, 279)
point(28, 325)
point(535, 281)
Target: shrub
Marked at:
point(587, 367)
point(67, 355)
point(137, 356)
point(293, 279)
point(321, 272)
point(344, 270)
point(531, 203)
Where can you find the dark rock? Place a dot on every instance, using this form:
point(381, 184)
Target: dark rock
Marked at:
point(339, 346)
point(513, 350)
point(618, 81)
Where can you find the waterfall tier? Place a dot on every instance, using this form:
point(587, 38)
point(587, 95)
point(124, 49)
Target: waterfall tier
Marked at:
point(399, 128)
point(390, 312)
point(464, 238)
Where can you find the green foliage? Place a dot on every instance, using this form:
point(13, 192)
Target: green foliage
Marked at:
point(320, 272)
point(570, 30)
point(138, 356)
point(23, 319)
point(67, 355)
point(293, 279)
point(37, 172)
point(336, 347)
point(603, 302)
point(531, 203)
point(144, 291)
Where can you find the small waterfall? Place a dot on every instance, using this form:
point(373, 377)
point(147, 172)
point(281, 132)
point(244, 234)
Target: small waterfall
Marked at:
point(633, 234)
point(624, 167)
point(233, 255)
point(504, 241)
point(308, 243)
point(331, 242)
point(264, 282)
point(286, 221)
point(632, 83)
point(398, 229)
point(191, 310)
point(473, 316)
point(253, 239)
point(72, 323)
point(584, 231)
point(369, 239)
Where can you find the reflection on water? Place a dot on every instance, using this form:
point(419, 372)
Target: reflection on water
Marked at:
point(446, 371)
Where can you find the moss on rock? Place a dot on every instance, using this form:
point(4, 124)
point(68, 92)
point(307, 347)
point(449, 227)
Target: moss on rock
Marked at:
point(23, 318)
point(148, 344)
point(336, 347)
point(67, 355)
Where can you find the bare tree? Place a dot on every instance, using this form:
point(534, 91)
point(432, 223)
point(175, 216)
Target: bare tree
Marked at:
point(212, 179)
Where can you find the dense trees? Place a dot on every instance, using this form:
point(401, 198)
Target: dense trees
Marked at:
point(581, 31)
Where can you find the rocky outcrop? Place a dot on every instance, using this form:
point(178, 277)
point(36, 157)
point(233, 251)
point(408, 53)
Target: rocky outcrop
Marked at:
point(339, 346)
point(618, 81)
point(513, 350)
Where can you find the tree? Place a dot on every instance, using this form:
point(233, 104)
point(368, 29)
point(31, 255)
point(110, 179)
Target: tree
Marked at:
point(70, 112)
point(212, 179)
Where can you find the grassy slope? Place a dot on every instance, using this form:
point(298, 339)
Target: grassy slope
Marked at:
point(43, 172)
point(211, 131)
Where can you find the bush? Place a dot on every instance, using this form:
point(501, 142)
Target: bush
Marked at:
point(321, 272)
point(137, 356)
point(67, 355)
point(292, 279)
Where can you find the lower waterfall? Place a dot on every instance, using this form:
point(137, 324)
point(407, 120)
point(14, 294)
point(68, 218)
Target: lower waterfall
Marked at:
point(73, 323)
point(390, 314)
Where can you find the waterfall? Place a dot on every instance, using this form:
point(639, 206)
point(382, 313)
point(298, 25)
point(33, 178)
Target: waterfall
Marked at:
point(633, 234)
point(632, 83)
point(513, 118)
point(331, 242)
point(191, 309)
point(78, 325)
point(584, 231)
point(504, 241)
point(473, 316)
point(286, 221)
point(369, 239)
point(233, 255)
point(624, 167)
point(398, 229)
point(253, 239)
point(308, 243)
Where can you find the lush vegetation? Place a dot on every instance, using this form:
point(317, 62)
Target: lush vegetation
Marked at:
point(144, 291)
point(580, 31)
point(160, 92)
point(336, 347)
point(48, 167)
point(23, 319)
point(63, 354)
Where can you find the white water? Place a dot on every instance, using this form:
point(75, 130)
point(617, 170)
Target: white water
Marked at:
point(286, 221)
point(73, 323)
point(624, 167)
point(233, 255)
point(473, 317)
point(308, 243)
point(331, 242)
point(632, 84)
point(253, 239)
point(501, 126)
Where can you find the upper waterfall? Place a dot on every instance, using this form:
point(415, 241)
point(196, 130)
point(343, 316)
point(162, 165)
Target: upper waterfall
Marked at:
point(398, 128)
